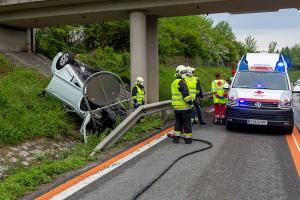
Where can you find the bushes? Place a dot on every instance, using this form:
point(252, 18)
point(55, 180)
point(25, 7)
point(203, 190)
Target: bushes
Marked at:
point(110, 60)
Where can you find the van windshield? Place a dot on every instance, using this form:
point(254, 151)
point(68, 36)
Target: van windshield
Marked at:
point(261, 80)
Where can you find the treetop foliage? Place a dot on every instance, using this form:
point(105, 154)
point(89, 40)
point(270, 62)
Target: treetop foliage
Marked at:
point(192, 36)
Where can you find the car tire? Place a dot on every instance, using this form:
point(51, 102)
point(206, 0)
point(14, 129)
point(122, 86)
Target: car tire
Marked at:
point(63, 60)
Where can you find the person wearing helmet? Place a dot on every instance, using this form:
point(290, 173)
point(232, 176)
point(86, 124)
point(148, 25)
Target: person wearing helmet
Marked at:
point(138, 93)
point(182, 104)
point(217, 88)
point(195, 90)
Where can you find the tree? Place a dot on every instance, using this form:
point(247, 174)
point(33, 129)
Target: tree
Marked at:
point(107, 34)
point(287, 53)
point(272, 47)
point(250, 44)
point(191, 36)
point(295, 54)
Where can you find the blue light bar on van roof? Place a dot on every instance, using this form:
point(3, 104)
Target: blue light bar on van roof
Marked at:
point(280, 67)
point(243, 64)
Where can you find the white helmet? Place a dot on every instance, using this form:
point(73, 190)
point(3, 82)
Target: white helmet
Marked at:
point(190, 70)
point(226, 86)
point(139, 80)
point(181, 71)
point(180, 68)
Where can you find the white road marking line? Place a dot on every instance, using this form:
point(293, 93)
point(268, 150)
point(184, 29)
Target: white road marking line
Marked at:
point(75, 188)
point(297, 145)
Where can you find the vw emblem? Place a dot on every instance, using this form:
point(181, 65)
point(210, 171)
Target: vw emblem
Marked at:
point(257, 105)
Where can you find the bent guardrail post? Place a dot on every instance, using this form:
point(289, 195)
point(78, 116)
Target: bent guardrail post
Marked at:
point(123, 127)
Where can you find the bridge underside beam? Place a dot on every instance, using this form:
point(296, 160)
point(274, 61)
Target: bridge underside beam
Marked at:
point(54, 12)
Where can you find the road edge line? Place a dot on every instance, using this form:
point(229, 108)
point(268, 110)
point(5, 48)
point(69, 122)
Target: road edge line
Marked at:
point(96, 172)
point(292, 144)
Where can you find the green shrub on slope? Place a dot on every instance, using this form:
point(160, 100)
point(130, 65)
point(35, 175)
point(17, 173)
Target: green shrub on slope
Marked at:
point(24, 114)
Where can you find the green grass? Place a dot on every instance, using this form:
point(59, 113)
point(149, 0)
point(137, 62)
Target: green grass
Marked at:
point(294, 75)
point(22, 181)
point(25, 115)
point(151, 122)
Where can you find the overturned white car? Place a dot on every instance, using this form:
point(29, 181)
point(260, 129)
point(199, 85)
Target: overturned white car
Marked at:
point(95, 95)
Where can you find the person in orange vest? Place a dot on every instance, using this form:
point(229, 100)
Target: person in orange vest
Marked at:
point(219, 99)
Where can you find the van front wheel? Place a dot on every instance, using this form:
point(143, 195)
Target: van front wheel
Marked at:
point(288, 130)
point(230, 126)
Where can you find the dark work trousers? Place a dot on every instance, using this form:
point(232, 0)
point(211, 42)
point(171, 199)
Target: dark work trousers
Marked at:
point(197, 107)
point(183, 122)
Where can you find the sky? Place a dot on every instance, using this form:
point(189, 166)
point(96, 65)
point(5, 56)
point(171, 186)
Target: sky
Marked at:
point(282, 26)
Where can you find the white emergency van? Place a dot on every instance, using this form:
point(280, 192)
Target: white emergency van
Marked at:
point(261, 93)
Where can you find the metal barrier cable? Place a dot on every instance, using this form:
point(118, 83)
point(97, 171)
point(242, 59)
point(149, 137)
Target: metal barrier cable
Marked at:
point(146, 187)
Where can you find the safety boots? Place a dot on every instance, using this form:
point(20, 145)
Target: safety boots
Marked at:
point(176, 139)
point(188, 140)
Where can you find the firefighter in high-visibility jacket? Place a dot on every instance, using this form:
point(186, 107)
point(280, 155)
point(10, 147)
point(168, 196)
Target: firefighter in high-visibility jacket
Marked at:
point(195, 90)
point(219, 98)
point(182, 104)
point(138, 93)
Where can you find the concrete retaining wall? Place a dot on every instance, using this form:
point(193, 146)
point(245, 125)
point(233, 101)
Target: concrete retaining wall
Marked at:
point(14, 39)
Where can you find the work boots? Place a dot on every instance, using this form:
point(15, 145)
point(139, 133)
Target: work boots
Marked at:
point(176, 139)
point(188, 140)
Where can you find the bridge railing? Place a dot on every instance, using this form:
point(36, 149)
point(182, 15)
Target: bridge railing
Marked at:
point(126, 124)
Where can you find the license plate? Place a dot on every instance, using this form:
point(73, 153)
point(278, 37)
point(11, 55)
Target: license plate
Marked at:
point(257, 122)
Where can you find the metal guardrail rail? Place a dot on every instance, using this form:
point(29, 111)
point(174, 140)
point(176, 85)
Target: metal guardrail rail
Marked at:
point(125, 125)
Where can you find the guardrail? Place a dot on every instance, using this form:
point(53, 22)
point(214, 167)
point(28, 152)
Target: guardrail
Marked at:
point(125, 125)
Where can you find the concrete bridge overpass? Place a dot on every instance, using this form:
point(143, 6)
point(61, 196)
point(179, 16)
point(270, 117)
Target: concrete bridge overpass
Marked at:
point(18, 17)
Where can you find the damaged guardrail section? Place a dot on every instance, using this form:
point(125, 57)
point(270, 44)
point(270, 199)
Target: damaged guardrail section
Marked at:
point(124, 126)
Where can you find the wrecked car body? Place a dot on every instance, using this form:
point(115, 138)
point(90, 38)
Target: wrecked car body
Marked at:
point(97, 96)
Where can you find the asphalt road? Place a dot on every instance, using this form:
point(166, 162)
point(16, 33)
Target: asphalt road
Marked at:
point(246, 164)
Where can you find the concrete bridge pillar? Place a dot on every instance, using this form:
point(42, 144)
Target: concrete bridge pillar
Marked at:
point(15, 39)
point(144, 52)
point(152, 60)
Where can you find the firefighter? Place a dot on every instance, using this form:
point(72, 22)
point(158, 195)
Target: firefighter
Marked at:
point(138, 93)
point(217, 88)
point(182, 104)
point(195, 90)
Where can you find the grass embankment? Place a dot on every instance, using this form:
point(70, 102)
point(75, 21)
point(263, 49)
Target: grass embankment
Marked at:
point(23, 181)
point(25, 115)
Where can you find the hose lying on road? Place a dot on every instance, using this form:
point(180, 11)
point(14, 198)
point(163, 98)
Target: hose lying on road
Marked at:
point(146, 187)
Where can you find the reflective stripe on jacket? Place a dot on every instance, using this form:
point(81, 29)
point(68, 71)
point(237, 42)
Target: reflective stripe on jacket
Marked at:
point(178, 101)
point(191, 82)
point(140, 95)
point(217, 88)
